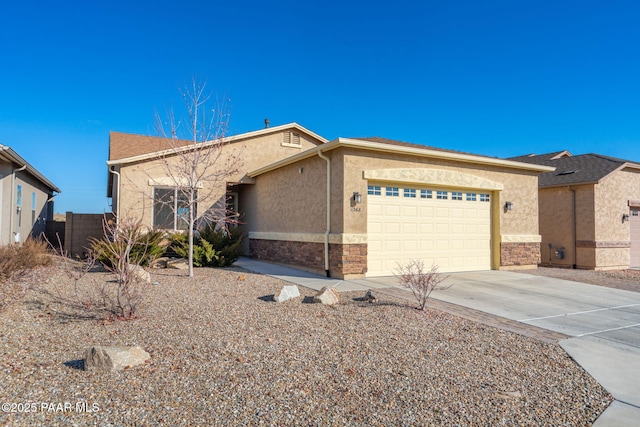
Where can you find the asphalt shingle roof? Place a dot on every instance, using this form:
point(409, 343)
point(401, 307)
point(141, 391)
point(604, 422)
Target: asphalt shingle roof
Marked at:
point(581, 169)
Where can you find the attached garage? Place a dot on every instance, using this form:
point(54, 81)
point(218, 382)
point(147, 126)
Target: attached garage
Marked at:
point(356, 208)
point(634, 219)
point(448, 228)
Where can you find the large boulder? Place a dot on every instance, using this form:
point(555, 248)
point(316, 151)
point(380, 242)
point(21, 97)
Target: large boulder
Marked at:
point(327, 296)
point(100, 358)
point(286, 293)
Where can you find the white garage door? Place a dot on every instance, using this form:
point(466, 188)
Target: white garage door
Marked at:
point(635, 236)
point(451, 229)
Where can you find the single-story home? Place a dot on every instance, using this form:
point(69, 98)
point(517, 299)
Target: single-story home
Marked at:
point(589, 210)
point(351, 207)
point(27, 198)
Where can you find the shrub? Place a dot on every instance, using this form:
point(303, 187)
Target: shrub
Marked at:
point(15, 261)
point(147, 245)
point(211, 248)
point(421, 282)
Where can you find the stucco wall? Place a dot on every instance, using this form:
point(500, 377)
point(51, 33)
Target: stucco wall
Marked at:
point(23, 222)
point(136, 191)
point(602, 239)
point(519, 187)
point(556, 226)
point(612, 235)
point(291, 199)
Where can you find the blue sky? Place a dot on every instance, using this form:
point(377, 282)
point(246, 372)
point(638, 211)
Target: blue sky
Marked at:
point(498, 78)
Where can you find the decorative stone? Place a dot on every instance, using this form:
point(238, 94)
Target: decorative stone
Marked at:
point(100, 358)
point(286, 293)
point(327, 296)
point(139, 274)
point(160, 263)
point(178, 264)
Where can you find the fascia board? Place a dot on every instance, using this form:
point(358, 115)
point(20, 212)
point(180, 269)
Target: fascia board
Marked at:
point(427, 152)
point(14, 157)
point(423, 152)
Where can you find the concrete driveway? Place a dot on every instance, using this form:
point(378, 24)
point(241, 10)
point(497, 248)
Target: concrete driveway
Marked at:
point(604, 323)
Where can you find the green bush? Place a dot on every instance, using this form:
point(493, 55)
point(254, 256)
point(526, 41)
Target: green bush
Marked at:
point(146, 246)
point(213, 248)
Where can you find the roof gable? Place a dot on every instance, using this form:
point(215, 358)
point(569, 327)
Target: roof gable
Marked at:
point(580, 169)
point(125, 147)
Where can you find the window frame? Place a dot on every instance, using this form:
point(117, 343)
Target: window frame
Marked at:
point(374, 190)
point(392, 191)
point(179, 214)
point(409, 193)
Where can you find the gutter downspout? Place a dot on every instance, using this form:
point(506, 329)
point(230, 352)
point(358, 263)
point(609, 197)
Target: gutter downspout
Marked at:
point(117, 194)
point(13, 189)
point(328, 230)
point(575, 228)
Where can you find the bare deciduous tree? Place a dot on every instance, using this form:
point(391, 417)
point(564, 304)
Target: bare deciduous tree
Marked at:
point(421, 282)
point(198, 162)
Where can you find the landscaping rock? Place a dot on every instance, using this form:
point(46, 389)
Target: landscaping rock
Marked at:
point(327, 296)
point(178, 264)
point(287, 292)
point(159, 263)
point(139, 274)
point(100, 358)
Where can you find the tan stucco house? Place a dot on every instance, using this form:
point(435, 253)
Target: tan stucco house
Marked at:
point(354, 207)
point(26, 198)
point(589, 210)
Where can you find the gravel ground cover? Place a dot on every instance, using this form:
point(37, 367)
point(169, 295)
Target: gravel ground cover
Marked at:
point(223, 354)
point(628, 280)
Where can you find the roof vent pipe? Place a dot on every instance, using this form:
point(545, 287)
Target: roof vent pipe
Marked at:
point(266, 123)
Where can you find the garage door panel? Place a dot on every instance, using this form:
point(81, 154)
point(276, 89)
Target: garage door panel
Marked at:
point(452, 234)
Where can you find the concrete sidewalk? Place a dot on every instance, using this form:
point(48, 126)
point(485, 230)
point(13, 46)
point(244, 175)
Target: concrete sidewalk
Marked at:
point(598, 327)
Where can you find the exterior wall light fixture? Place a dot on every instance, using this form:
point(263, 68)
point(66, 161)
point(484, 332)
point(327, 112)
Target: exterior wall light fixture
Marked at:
point(508, 206)
point(625, 217)
point(357, 197)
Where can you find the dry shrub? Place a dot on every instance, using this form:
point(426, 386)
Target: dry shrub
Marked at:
point(16, 260)
point(420, 281)
point(125, 245)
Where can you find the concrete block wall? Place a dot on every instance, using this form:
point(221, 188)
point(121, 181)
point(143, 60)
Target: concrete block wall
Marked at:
point(79, 228)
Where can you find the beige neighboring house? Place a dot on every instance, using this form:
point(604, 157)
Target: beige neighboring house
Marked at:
point(27, 198)
point(589, 210)
point(356, 207)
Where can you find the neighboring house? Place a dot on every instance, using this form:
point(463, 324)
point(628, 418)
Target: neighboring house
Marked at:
point(356, 207)
point(27, 198)
point(589, 210)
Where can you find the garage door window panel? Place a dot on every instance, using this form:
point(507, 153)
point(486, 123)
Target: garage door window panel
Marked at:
point(392, 192)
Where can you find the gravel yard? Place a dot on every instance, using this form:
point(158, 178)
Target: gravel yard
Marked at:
point(222, 354)
point(628, 280)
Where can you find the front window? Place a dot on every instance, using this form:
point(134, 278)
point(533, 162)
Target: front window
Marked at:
point(170, 209)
